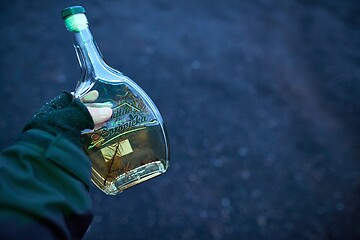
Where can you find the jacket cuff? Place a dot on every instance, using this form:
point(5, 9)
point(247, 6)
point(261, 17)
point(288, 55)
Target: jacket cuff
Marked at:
point(62, 152)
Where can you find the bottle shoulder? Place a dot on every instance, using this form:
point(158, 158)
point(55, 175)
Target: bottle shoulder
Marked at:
point(106, 73)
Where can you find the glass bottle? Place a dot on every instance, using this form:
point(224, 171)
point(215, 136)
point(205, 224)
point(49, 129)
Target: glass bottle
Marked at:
point(131, 147)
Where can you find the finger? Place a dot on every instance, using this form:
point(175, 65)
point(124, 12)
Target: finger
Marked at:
point(90, 96)
point(100, 105)
point(100, 115)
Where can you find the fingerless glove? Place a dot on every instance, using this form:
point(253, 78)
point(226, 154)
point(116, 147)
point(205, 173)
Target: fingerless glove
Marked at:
point(63, 115)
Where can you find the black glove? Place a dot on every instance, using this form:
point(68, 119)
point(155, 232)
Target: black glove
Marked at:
point(63, 115)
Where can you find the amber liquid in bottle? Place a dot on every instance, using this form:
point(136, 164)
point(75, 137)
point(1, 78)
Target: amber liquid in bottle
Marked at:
point(129, 148)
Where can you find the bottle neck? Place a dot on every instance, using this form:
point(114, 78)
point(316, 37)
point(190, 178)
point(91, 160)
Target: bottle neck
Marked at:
point(89, 55)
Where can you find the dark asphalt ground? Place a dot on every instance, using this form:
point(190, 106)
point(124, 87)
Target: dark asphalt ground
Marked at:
point(261, 101)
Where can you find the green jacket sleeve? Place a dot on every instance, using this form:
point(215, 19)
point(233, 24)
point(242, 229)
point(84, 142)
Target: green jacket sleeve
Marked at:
point(45, 176)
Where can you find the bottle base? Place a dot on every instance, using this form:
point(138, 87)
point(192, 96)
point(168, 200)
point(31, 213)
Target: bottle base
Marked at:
point(131, 178)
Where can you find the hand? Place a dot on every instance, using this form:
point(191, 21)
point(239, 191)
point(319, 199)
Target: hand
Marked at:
point(68, 116)
point(100, 112)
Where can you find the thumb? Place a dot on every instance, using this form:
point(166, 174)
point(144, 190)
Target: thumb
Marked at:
point(100, 115)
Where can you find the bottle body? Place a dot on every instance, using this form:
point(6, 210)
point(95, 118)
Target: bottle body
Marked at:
point(132, 145)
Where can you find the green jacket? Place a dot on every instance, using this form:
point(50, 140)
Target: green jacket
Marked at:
point(45, 178)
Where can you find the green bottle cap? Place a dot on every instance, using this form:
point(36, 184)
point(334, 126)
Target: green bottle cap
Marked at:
point(75, 19)
point(66, 12)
